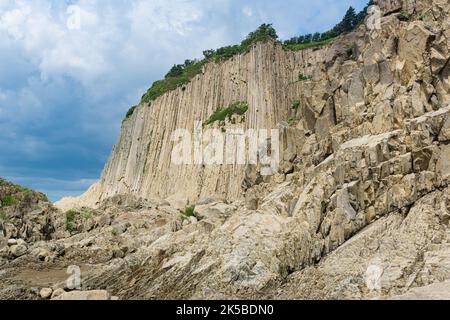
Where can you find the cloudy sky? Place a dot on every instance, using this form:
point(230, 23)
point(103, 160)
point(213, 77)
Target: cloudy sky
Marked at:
point(64, 90)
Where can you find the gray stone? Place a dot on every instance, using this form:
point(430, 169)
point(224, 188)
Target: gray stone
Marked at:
point(95, 295)
point(18, 250)
point(46, 293)
point(57, 292)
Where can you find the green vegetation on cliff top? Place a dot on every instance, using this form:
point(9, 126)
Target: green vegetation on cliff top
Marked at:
point(8, 201)
point(11, 193)
point(182, 74)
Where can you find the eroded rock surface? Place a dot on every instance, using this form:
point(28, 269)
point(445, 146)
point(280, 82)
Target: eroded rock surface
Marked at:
point(360, 207)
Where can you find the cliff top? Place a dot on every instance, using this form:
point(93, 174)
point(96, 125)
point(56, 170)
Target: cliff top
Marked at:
point(182, 74)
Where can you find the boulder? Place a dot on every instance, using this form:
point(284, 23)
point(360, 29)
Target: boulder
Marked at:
point(421, 159)
point(438, 61)
point(46, 293)
point(95, 295)
point(18, 250)
point(193, 220)
point(42, 254)
point(58, 292)
point(411, 50)
point(214, 211)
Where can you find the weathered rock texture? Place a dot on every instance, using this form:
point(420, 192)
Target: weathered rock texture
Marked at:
point(361, 205)
point(141, 164)
point(26, 214)
point(391, 75)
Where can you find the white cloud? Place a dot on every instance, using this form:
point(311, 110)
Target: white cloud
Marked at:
point(156, 32)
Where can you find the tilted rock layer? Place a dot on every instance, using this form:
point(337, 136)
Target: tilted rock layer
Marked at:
point(360, 207)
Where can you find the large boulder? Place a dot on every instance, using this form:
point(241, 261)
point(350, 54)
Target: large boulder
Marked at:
point(98, 295)
point(18, 250)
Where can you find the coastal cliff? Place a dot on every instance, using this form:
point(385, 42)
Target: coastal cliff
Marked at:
point(358, 208)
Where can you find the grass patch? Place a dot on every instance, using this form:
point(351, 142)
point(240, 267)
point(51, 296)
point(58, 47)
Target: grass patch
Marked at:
point(130, 112)
point(302, 77)
point(170, 83)
point(20, 188)
point(304, 46)
point(29, 192)
point(8, 201)
point(350, 49)
point(237, 108)
point(88, 215)
point(71, 226)
point(188, 212)
point(43, 197)
point(3, 217)
point(292, 120)
point(404, 16)
point(437, 104)
point(70, 215)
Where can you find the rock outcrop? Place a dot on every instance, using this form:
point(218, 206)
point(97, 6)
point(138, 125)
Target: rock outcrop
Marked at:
point(265, 78)
point(390, 75)
point(26, 215)
point(360, 206)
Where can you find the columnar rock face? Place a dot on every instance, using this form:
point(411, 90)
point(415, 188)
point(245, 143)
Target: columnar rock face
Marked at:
point(141, 161)
point(140, 164)
point(366, 83)
point(360, 206)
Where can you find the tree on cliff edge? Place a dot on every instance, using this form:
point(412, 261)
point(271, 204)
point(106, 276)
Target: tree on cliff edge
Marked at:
point(263, 33)
point(349, 21)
